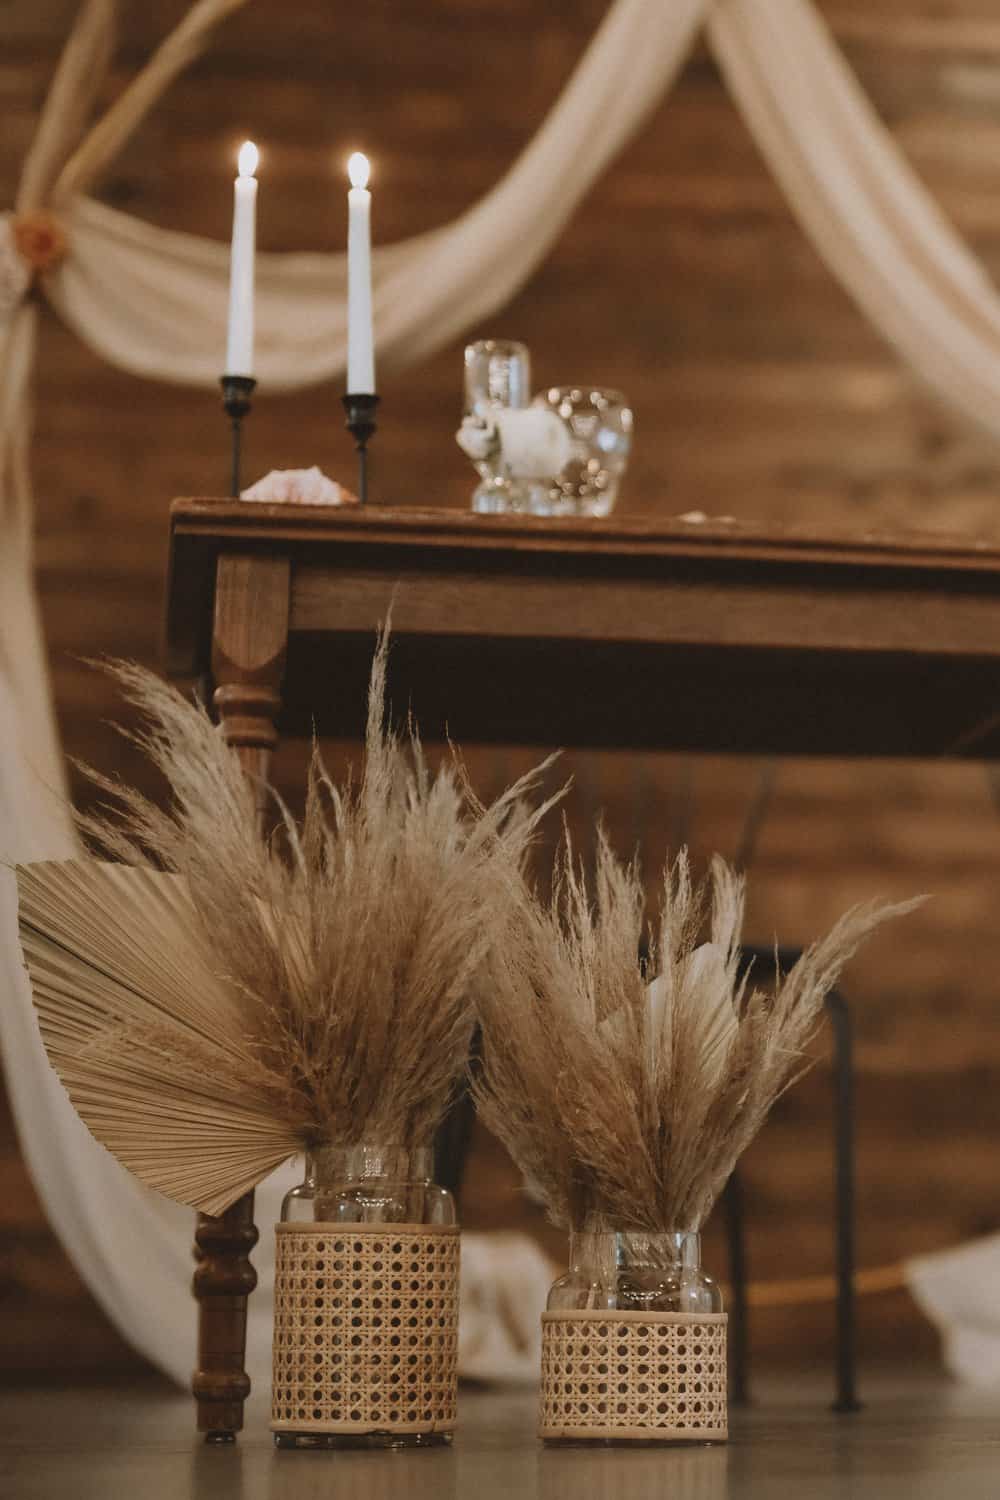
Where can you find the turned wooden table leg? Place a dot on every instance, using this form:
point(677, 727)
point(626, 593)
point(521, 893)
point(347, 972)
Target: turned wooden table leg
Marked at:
point(249, 644)
point(248, 660)
point(223, 1281)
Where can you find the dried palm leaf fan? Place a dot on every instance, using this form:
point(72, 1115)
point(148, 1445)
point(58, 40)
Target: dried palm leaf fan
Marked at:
point(626, 1098)
point(218, 999)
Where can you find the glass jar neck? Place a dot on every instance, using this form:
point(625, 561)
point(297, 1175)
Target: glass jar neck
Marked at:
point(369, 1163)
point(603, 1254)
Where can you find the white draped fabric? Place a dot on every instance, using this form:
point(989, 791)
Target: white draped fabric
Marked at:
point(958, 1290)
point(865, 210)
point(153, 302)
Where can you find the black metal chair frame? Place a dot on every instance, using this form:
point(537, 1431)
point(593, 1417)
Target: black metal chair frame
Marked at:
point(846, 1400)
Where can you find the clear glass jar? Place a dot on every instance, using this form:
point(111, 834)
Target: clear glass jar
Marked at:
point(368, 1185)
point(633, 1344)
point(632, 1271)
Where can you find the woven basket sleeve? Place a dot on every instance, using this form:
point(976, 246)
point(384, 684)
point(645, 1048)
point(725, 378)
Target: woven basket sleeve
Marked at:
point(365, 1328)
point(634, 1376)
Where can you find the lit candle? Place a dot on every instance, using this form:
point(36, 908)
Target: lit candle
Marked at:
point(360, 338)
point(239, 346)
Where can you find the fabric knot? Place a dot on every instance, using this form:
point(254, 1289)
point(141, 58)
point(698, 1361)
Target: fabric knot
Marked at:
point(30, 245)
point(40, 241)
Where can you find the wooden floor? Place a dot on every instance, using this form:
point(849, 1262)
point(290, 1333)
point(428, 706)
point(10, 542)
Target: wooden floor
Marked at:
point(922, 1440)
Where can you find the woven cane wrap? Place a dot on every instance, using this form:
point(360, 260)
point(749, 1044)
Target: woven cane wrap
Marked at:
point(633, 1375)
point(365, 1328)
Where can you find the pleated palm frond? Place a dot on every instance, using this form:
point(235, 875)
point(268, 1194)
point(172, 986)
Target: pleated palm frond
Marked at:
point(626, 1098)
point(221, 997)
point(152, 1044)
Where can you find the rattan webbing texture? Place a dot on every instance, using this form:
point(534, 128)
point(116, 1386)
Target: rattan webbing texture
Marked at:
point(365, 1328)
point(634, 1376)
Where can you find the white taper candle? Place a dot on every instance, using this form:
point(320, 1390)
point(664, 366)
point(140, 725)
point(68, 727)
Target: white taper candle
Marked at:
point(239, 345)
point(360, 334)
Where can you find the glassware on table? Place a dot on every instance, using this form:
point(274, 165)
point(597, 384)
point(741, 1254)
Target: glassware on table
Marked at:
point(497, 379)
point(497, 374)
point(600, 425)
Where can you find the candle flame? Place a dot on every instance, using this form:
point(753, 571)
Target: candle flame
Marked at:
point(359, 169)
point(248, 158)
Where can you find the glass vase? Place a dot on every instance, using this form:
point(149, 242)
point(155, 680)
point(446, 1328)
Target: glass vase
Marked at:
point(634, 1343)
point(498, 383)
point(600, 425)
point(366, 1303)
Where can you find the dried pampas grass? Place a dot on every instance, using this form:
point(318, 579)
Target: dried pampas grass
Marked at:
point(218, 998)
point(626, 1098)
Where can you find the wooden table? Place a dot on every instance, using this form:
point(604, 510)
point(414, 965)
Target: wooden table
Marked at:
point(592, 633)
point(673, 634)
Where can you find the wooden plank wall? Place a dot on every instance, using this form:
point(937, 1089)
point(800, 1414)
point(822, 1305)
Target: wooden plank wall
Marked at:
point(758, 390)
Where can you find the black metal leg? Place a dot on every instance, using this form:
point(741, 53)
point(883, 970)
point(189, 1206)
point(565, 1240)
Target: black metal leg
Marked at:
point(236, 393)
point(739, 1384)
point(842, 1025)
point(360, 424)
point(841, 1022)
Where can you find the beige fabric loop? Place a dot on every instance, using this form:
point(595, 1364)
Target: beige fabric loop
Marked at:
point(82, 70)
point(111, 133)
point(860, 202)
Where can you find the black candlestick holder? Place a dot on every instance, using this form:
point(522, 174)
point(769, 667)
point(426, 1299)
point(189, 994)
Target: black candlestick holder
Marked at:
point(361, 425)
point(236, 393)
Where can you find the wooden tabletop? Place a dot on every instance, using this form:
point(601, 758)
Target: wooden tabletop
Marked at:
point(678, 633)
